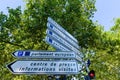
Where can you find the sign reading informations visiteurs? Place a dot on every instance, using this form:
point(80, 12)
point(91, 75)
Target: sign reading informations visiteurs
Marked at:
point(43, 67)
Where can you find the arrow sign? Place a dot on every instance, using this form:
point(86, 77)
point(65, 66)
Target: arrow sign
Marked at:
point(62, 34)
point(46, 54)
point(56, 44)
point(61, 47)
point(61, 29)
point(43, 54)
point(43, 67)
point(57, 38)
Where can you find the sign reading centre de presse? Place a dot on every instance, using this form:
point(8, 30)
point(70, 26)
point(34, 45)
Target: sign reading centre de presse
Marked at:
point(40, 66)
point(43, 67)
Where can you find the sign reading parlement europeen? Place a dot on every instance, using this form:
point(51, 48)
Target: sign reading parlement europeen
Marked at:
point(43, 54)
point(43, 67)
point(46, 54)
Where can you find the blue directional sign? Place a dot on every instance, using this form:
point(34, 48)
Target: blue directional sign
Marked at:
point(54, 35)
point(56, 44)
point(62, 35)
point(43, 67)
point(44, 54)
point(61, 29)
point(57, 38)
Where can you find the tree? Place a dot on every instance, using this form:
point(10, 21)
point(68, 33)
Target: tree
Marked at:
point(106, 61)
point(27, 30)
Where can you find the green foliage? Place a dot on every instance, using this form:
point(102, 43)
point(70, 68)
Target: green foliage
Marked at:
point(106, 59)
point(116, 27)
point(26, 31)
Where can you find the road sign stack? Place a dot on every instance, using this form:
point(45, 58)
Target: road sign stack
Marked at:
point(63, 61)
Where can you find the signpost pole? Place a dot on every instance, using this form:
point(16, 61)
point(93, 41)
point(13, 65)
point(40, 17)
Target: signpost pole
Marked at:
point(49, 77)
point(64, 77)
point(57, 77)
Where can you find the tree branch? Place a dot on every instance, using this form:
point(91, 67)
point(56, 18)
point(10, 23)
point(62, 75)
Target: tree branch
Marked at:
point(15, 44)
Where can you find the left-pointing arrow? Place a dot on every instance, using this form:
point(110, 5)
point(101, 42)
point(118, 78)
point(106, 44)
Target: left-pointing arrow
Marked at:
point(10, 68)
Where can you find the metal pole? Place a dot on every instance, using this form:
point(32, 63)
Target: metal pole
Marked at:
point(49, 77)
point(57, 77)
point(64, 77)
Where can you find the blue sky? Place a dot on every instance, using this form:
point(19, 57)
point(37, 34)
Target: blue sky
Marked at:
point(10, 3)
point(107, 10)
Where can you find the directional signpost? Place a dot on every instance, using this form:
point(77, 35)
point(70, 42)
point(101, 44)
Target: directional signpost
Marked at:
point(62, 62)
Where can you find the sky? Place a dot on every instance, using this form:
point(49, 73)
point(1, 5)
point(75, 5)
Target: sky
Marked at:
point(107, 10)
point(10, 3)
